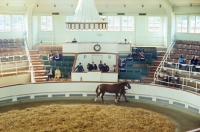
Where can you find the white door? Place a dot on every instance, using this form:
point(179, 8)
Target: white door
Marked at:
point(96, 59)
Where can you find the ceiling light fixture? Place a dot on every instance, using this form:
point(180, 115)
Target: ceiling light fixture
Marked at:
point(54, 5)
point(142, 6)
point(86, 17)
point(124, 5)
point(37, 5)
point(6, 4)
point(190, 5)
point(160, 6)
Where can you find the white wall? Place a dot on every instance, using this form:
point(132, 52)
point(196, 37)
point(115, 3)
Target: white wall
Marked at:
point(88, 59)
point(188, 36)
point(140, 35)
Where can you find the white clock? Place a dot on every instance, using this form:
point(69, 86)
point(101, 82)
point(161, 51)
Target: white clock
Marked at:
point(97, 47)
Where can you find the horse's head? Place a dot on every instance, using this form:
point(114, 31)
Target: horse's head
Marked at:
point(127, 85)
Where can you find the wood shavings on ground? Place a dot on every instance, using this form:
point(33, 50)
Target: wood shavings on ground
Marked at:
point(84, 118)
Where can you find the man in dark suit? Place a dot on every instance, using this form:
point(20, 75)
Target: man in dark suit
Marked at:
point(89, 67)
point(105, 68)
point(51, 74)
point(94, 66)
point(100, 65)
point(79, 68)
point(58, 57)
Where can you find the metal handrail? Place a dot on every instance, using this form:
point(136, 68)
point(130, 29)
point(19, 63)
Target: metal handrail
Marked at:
point(29, 60)
point(164, 59)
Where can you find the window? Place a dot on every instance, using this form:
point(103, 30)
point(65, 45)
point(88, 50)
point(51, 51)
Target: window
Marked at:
point(4, 23)
point(154, 24)
point(127, 23)
point(17, 22)
point(182, 24)
point(113, 23)
point(46, 23)
point(195, 24)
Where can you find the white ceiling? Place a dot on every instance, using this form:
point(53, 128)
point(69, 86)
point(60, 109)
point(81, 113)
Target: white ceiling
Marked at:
point(105, 2)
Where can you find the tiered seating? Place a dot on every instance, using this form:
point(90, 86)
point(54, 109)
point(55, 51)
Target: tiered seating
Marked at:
point(45, 49)
point(12, 50)
point(13, 58)
point(150, 50)
point(65, 65)
point(133, 69)
point(188, 49)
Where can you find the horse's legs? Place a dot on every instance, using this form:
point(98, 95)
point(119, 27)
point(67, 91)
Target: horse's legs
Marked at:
point(102, 97)
point(97, 97)
point(119, 98)
point(125, 97)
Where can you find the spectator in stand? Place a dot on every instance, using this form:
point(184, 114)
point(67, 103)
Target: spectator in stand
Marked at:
point(57, 73)
point(122, 63)
point(166, 79)
point(105, 68)
point(100, 65)
point(175, 79)
point(194, 62)
point(74, 41)
point(51, 74)
point(141, 55)
point(89, 67)
point(181, 60)
point(79, 68)
point(51, 56)
point(94, 66)
point(58, 57)
point(130, 56)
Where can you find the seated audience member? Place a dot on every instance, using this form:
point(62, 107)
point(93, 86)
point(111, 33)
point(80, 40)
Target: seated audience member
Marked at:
point(79, 68)
point(74, 41)
point(58, 57)
point(166, 79)
point(51, 74)
point(122, 63)
point(194, 62)
point(105, 68)
point(130, 56)
point(175, 79)
point(181, 60)
point(51, 56)
point(94, 66)
point(57, 73)
point(100, 65)
point(89, 67)
point(141, 55)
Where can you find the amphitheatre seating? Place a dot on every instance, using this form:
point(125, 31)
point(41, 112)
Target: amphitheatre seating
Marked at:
point(130, 74)
point(45, 49)
point(65, 65)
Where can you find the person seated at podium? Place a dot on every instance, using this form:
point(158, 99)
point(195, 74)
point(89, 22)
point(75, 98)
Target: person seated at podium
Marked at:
point(51, 56)
point(100, 65)
point(94, 66)
point(89, 67)
point(58, 57)
point(79, 68)
point(105, 68)
point(74, 41)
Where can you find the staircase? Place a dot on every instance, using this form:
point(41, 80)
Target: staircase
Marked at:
point(152, 68)
point(38, 66)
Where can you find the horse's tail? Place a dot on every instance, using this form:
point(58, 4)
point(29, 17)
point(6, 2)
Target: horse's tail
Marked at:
point(98, 89)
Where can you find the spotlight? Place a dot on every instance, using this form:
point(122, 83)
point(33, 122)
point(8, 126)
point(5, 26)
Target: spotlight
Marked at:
point(37, 5)
point(190, 5)
point(142, 6)
point(54, 5)
point(160, 6)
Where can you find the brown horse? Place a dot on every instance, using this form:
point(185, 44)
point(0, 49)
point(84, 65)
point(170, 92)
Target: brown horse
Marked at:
point(111, 88)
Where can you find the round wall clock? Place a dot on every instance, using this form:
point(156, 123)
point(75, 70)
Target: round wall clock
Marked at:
point(97, 47)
